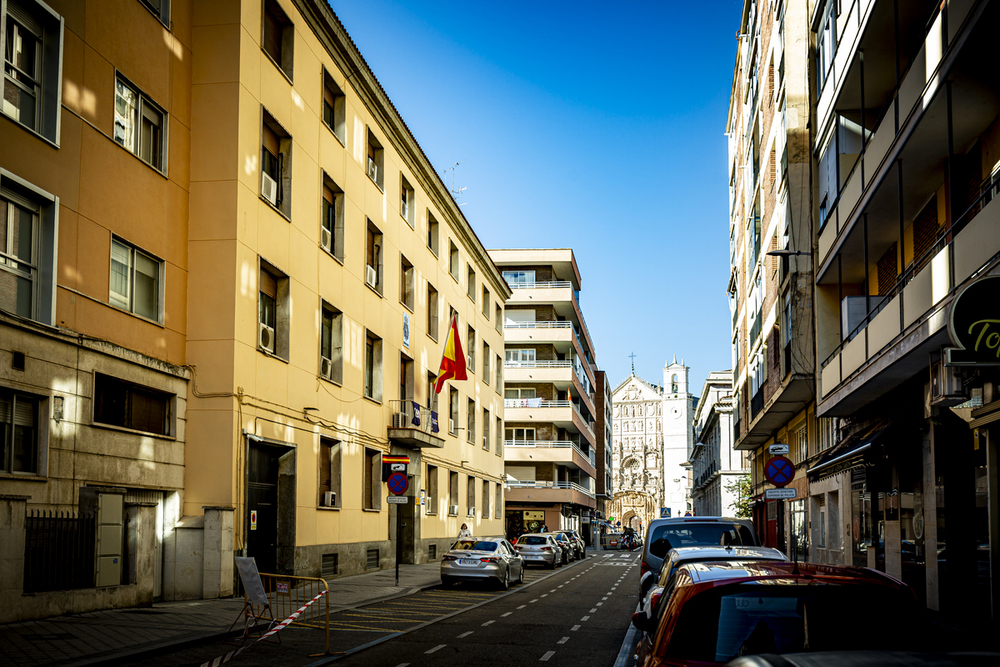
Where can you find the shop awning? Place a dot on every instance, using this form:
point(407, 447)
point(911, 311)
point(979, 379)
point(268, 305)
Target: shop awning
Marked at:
point(849, 453)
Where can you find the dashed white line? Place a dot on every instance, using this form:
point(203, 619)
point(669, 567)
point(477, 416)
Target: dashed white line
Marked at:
point(464, 635)
point(594, 610)
point(547, 655)
point(488, 623)
point(585, 619)
point(545, 595)
point(574, 628)
point(506, 615)
point(403, 664)
point(599, 604)
point(522, 606)
point(535, 600)
point(552, 591)
point(436, 648)
point(563, 640)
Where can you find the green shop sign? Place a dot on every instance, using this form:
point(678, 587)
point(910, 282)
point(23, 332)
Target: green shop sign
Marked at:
point(975, 325)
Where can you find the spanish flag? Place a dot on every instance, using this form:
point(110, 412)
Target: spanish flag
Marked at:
point(453, 360)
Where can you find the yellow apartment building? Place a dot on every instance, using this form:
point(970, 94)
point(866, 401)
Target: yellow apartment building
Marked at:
point(227, 271)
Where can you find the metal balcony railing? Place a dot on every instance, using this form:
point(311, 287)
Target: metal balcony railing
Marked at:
point(553, 444)
point(539, 284)
point(539, 324)
point(541, 363)
point(410, 414)
point(538, 484)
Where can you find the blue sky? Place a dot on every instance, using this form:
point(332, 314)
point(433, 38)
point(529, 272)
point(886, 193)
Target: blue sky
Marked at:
point(595, 126)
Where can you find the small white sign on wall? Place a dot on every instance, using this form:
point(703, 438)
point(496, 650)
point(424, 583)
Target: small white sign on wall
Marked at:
point(406, 330)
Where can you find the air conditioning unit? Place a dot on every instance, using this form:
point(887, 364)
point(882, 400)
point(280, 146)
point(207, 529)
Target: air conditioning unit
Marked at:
point(946, 385)
point(472, 511)
point(265, 337)
point(452, 509)
point(399, 420)
point(371, 277)
point(372, 170)
point(326, 238)
point(269, 188)
point(330, 499)
point(451, 427)
point(326, 368)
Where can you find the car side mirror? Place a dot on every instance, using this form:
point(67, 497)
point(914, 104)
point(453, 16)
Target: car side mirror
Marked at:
point(641, 621)
point(660, 547)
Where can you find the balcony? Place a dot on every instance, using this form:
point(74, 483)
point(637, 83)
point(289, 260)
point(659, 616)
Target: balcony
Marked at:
point(537, 491)
point(414, 425)
point(561, 373)
point(564, 414)
point(551, 451)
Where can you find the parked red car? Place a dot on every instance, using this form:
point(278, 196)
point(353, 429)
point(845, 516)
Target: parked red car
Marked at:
point(719, 611)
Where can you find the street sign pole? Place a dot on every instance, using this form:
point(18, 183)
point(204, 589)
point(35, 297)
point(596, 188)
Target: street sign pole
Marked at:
point(399, 541)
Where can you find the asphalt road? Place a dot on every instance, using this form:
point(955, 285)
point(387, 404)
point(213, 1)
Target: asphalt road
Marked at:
point(575, 615)
point(578, 616)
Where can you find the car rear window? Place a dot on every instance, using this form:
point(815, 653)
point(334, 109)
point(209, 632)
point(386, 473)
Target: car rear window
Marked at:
point(474, 545)
point(720, 627)
point(689, 534)
point(532, 540)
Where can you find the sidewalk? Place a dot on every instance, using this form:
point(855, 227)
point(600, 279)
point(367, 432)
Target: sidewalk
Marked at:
point(96, 637)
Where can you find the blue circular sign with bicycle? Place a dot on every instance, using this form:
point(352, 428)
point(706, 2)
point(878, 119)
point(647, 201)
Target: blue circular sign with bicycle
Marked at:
point(397, 483)
point(779, 470)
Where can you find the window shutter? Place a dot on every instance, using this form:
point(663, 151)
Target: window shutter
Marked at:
point(268, 284)
point(324, 466)
point(328, 96)
point(23, 17)
point(270, 141)
point(328, 195)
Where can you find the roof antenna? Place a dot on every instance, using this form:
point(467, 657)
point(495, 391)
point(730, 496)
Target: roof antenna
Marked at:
point(455, 193)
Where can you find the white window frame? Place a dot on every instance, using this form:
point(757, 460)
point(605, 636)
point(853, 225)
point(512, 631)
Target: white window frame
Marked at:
point(45, 232)
point(126, 301)
point(144, 110)
point(47, 27)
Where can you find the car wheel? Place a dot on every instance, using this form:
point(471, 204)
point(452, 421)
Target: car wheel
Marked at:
point(505, 580)
point(520, 574)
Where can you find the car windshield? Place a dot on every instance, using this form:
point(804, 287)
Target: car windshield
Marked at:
point(720, 627)
point(690, 534)
point(532, 539)
point(473, 545)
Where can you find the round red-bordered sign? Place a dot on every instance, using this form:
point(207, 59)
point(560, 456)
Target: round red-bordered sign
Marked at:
point(779, 470)
point(397, 483)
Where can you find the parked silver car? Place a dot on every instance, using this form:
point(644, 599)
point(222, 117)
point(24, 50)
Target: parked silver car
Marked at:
point(479, 560)
point(568, 546)
point(579, 546)
point(540, 548)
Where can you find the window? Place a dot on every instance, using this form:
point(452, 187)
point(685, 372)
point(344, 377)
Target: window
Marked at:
point(275, 165)
point(432, 233)
point(334, 108)
point(470, 496)
point(407, 203)
point(27, 249)
point(135, 281)
point(432, 397)
point(486, 362)
point(470, 422)
point(371, 492)
point(472, 283)
point(406, 283)
point(470, 345)
point(374, 163)
point(373, 366)
point(453, 259)
point(32, 95)
point(826, 45)
point(519, 357)
point(279, 37)
point(132, 406)
point(800, 444)
point(486, 429)
point(19, 432)
point(433, 315)
point(498, 318)
point(331, 344)
point(518, 279)
point(498, 501)
point(332, 221)
point(516, 435)
point(498, 369)
point(518, 393)
point(452, 411)
point(160, 9)
point(272, 311)
point(485, 509)
point(329, 472)
point(431, 489)
point(140, 125)
point(373, 258)
point(405, 378)
point(486, 302)
point(498, 450)
point(452, 493)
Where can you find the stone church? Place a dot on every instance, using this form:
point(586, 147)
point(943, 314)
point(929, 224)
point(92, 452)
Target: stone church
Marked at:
point(653, 436)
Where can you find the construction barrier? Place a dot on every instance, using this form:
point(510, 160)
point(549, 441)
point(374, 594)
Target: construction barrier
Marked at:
point(286, 594)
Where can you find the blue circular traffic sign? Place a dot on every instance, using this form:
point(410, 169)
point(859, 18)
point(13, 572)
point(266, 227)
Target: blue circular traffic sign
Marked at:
point(397, 483)
point(779, 470)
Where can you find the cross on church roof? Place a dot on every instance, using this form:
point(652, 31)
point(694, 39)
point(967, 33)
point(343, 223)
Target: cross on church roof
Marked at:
point(632, 356)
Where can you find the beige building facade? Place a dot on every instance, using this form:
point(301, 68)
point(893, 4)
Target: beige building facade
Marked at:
point(227, 275)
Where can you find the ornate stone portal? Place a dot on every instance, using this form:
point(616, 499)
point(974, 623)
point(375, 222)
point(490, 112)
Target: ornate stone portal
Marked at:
point(633, 508)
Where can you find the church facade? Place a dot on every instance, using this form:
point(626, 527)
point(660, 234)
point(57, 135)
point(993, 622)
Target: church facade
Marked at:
point(653, 437)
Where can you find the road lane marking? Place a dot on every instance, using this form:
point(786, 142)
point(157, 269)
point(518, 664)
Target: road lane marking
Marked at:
point(488, 623)
point(548, 655)
point(585, 619)
point(599, 604)
point(464, 635)
point(563, 640)
point(506, 615)
point(574, 628)
point(436, 648)
point(535, 600)
point(552, 591)
point(522, 606)
point(545, 595)
point(594, 610)
point(403, 664)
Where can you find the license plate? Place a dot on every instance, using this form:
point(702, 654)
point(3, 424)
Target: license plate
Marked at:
point(535, 557)
point(466, 561)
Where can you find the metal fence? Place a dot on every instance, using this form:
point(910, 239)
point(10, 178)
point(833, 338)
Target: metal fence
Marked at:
point(285, 594)
point(58, 551)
